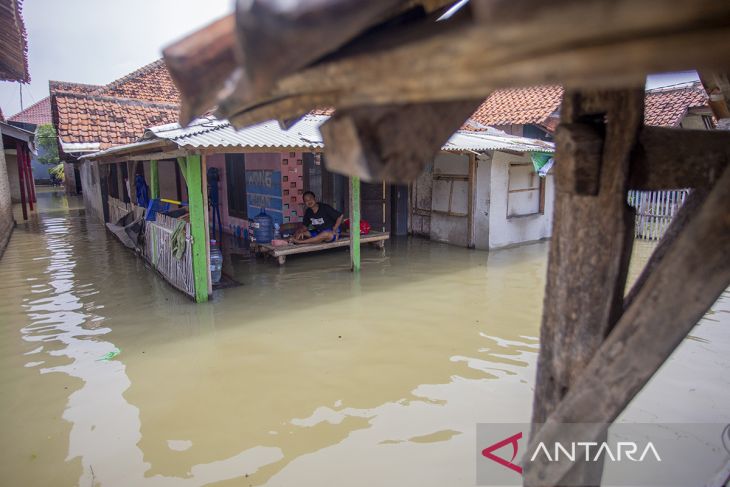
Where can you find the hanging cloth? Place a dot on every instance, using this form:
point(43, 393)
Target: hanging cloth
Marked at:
point(140, 185)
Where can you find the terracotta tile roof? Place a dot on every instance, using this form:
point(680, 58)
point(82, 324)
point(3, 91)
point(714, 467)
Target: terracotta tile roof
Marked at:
point(68, 87)
point(667, 107)
point(109, 121)
point(37, 114)
point(13, 43)
point(151, 82)
point(519, 106)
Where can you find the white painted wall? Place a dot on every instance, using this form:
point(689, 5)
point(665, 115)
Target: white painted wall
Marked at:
point(11, 159)
point(482, 201)
point(505, 231)
point(444, 228)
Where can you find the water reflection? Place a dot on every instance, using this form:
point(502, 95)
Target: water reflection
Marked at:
point(302, 376)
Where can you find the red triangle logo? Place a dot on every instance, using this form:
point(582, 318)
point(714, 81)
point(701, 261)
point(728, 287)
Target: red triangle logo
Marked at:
point(488, 452)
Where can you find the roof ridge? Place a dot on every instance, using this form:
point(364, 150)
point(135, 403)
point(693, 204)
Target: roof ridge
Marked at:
point(119, 99)
point(688, 86)
point(130, 76)
point(87, 85)
point(30, 108)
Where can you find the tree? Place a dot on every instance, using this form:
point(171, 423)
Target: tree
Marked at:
point(46, 144)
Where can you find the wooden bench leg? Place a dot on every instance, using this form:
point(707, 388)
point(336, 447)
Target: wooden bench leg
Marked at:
point(281, 259)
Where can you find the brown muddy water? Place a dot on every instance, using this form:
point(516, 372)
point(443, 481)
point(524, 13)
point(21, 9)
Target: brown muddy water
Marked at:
point(304, 376)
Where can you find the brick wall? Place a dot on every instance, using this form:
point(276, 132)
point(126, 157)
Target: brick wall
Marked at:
point(292, 186)
point(6, 206)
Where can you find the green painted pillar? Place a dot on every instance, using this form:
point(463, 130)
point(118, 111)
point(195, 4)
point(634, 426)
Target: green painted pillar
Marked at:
point(194, 179)
point(154, 181)
point(355, 223)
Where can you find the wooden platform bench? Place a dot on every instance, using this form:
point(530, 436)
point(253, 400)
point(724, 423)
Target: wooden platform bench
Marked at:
point(374, 238)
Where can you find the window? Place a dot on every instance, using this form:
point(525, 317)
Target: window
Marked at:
point(236, 185)
point(113, 186)
point(525, 191)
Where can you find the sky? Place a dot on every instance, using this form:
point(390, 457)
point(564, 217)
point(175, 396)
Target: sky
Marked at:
point(98, 41)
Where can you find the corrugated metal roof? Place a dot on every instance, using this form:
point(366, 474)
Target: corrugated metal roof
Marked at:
point(464, 140)
point(208, 133)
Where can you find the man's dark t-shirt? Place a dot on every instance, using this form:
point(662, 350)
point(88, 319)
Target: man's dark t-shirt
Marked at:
point(324, 219)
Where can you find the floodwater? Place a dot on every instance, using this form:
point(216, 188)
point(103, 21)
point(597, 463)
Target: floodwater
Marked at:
point(303, 376)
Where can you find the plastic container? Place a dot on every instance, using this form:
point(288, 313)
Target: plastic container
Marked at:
point(263, 228)
point(216, 262)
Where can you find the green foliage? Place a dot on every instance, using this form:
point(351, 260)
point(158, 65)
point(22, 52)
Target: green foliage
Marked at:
point(46, 144)
point(57, 171)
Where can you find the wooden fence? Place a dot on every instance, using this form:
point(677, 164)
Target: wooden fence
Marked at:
point(157, 248)
point(655, 211)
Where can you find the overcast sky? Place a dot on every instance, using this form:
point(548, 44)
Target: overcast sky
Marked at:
point(98, 41)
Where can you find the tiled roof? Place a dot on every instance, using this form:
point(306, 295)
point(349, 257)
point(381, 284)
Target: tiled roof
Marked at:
point(107, 120)
point(117, 113)
point(37, 114)
point(151, 82)
point(13, 43)
point(666, 107)
point(519, 106)
point(68, 87)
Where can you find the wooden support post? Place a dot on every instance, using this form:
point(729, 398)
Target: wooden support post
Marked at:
point(391, 143)
point(28, 177)
point(204, 188)
point(591, 245)
point(154, 181)
point(201, 271)
point(21, 173)
point(355, 223)
point(31, 181)
point(682, 286)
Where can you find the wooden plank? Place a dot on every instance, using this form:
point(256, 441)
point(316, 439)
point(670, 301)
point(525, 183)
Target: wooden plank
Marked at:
point(679, 158)
point(717, 85)
point(696, 268)
point(391, 143)
point(197, 207)
point(355, 223)
point(529, 44)
point(154, 180)
point(19, 151)
point(372, 237)
point(590, 248)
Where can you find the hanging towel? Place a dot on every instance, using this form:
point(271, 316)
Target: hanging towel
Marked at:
point(178, 240)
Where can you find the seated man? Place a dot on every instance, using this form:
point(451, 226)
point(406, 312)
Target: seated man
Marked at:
point(321, 222)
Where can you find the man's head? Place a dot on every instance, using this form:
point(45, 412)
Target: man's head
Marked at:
point(309, 199)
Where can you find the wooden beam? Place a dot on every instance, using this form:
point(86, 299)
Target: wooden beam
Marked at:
point(198, 231)
point(426, 61)
point(674, 297)
point(355, 223)
point(668, 158)
point(19, 151)
point(392, 143)
point(591, 244)
point(717, 85)
point(154, 180)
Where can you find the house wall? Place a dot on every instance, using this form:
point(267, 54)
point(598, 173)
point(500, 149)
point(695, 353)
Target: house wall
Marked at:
point(6, 207)
point(450, 195)
point(482, 201)
point(69, 178)
point(504, 231)
point(274, 181)
point(11, 160)
point(89, 173)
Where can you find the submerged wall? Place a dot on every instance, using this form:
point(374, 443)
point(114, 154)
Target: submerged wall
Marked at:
point(89, 173)
point(450, 198)
point(506, 226)
point(6, 206)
